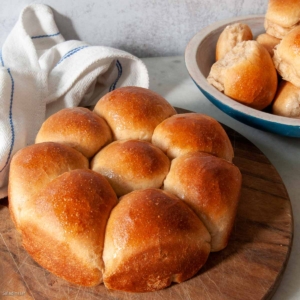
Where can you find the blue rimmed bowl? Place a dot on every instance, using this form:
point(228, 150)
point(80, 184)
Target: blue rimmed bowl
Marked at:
point(199, 57)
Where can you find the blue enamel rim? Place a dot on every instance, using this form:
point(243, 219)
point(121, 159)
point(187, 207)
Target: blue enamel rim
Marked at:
point(258, 119)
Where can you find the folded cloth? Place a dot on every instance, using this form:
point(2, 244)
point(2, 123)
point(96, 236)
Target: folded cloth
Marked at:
point(41, 73)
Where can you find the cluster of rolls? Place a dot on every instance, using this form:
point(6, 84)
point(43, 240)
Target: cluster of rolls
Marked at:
point(130, 194)
point(262, 73)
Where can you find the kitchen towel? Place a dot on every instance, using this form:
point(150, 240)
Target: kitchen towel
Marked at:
point(41, 73)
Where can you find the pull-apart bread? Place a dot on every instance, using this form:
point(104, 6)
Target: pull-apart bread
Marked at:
point(178, 191)
point(281, 17)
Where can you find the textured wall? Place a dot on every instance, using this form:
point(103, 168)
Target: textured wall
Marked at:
point(143, 27)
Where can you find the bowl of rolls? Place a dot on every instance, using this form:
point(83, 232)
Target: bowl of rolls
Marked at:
point(129, 194)
point(248, 67)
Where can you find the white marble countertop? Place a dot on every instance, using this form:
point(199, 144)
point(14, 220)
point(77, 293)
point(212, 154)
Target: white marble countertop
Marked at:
point(169, 77)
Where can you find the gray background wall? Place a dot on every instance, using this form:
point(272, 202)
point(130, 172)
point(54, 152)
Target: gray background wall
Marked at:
point(144, 28)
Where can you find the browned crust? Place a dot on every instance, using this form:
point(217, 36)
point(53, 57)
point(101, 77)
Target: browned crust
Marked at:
point(190, 132)
point(152, 239)
point(76, 127)
point(133, 112)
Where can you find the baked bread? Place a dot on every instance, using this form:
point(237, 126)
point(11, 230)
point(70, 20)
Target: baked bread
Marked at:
point(268, 41)
point(33, 167)
point(286, 57)
point(132, 164)
point(189, 132)
point(246, 74)
point(287, 100)
point(230, 36)
point(62, 217)
point(211, 187)
point(147, 240)
point(133, 112)
point(281, 17)
point(152, 239)
point(76, 127)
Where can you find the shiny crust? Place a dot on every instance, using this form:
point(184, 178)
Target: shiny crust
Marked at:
point(133, 112)
point(71, 213)
point(246, 74)
point(190, 132)
point(286, 57)
point(76, 127)
point(211, 187)
point(230, 36)
point(152, 238)
point(61, 209)
point(131, 165)
point(33, 167)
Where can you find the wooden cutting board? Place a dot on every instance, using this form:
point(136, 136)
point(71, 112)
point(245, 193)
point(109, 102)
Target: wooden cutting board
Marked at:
point(251, 267)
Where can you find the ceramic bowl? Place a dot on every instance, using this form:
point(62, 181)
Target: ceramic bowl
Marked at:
point(199, 57)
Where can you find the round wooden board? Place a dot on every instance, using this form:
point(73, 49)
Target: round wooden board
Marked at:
point(251, 266)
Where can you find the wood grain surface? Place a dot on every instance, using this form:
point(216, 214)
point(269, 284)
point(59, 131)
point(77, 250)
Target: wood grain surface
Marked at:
point(250, 267)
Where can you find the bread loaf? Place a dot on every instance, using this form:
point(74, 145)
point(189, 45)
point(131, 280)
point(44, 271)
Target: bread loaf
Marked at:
point(188, 132)
point(133, 112)
point(211, 187)
point(152, 239)
point(268, 41)
point(132, 164)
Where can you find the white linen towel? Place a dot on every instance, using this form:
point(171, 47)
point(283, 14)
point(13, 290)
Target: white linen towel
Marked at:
point(41, 73)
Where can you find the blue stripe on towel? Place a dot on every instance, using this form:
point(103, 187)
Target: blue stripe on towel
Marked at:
point(120, 71)
point(45, 35)
point(70, 53)
point(10, 114)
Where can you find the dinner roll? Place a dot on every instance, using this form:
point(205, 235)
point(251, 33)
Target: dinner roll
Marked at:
point(230, 36)
point(63, 228)
point(268, 41)
point(33, 167)
point(133, 112)
point(188, 132)
point(131, 165)
point(152, 239)
point(281, 17)
point(246, 74)
point(76, 127)
point(211, 187)
point(287, 57)
point(287, 100)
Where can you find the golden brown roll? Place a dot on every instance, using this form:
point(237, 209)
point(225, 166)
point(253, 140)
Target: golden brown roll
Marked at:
point(211, 187)
point(33, 167)
point(131, 165)
point(152, 239)
point(281, 17)
point(76, 127)
point(246, 74)
point(268, 41)
point(286, 57)
point(190, 132)
point(133, 112)
point(230, 36)
point(61, 213)
point(287, 100)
